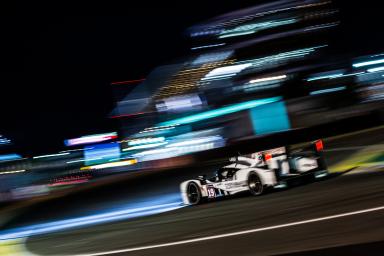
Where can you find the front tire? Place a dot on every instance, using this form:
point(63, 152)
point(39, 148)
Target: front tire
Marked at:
point(255, 185)
point(193, 193)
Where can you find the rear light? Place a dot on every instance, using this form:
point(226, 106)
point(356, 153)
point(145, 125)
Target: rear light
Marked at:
point(267, 157)
point(319, 145)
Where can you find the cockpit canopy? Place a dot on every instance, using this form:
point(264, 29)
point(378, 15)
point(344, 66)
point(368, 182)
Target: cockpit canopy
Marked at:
point(226, 172)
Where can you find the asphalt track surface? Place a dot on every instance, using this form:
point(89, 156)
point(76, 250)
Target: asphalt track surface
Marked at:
point(360, 233)
point(343, 194)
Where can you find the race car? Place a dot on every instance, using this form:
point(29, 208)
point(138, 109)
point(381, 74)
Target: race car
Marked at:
point(254, 173)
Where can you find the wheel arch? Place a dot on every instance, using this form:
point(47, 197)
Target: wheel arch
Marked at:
point(184, 186)
point(267, 178)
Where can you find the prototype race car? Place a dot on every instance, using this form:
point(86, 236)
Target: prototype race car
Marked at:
point(255, 172)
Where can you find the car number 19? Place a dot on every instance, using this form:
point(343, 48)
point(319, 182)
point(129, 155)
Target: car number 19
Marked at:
point(211, 192)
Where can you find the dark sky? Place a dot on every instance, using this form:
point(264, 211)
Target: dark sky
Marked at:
point(56, 69)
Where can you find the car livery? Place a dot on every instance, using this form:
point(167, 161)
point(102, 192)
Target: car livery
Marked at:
point(256, 172)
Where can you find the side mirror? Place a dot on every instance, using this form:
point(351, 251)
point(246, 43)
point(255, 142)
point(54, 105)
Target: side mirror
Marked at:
point(202, 177)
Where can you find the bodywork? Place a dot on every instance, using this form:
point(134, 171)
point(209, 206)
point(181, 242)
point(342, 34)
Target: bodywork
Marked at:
point(273, 167)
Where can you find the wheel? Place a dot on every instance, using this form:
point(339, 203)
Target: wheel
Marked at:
point(193, 193)
point(254, 184)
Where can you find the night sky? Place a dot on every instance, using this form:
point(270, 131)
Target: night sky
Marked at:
point(56, 69)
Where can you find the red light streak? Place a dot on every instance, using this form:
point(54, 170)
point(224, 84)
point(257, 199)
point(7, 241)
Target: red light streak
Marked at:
point(129, 115)
point(61, 183)
point(128, 82)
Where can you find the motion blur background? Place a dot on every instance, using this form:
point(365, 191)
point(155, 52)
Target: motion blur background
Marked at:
point(102, 116)
point(57, 69)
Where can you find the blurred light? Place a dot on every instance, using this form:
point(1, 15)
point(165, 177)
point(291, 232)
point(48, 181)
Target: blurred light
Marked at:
point(368, 63)
point(253, 28)
point(327, 25)
point(237, 34)
point(128, 82)
point(352, 74)
point(283, 185)
point(110, 134)
point(91, 139)
point(325, 77)
point(212, 57)
point(129, 115)
point(180, 103)
point(207, 46)
point(82, 160)
point(195, 141)
point(204, 33)
point(8, 157)
point(221, 111)
point(372, 70)
point(268, 79)
point(4, 141)
point(227, 71)
point(101, 153)
point(72, 150)
point(270, 118)
point(29, 191)
point(110, 165)
point(377, 55)
point(184, 144)
point(51, 155)
point(11, 172)
point(277, 59)
point(329, 90)
point(76, 161)
point(70, 182)
point(152, 145)
point(219, 77)
point(251, 87)
point(155, 206)
point(176, 151)
point(280, 58)
point(145, 141)
point(159, 128)
point(321, 175)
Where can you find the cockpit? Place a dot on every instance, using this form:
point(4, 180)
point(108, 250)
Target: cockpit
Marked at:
point(224, 174)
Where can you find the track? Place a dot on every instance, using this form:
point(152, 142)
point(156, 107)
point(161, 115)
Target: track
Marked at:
point(342, 194)
point(277, 223)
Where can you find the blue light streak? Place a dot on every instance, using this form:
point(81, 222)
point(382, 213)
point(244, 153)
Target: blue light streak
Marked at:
point(373, 70)
point(220, 112)
point(329, 90)
point(207, 46)
point(325, 77)
point(155, 206)
point(368, 63)
point(9, 157)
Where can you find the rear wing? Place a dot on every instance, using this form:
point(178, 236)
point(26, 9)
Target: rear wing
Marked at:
point(315, 148)
point(274, 157)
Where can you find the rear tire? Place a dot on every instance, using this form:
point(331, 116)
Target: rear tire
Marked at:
point(255, 185)
point(193, 193)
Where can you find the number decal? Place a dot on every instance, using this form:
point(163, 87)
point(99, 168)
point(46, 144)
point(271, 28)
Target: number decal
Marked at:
point(211, 192)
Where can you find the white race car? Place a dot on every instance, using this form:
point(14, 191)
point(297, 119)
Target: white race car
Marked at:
point(255, 172)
